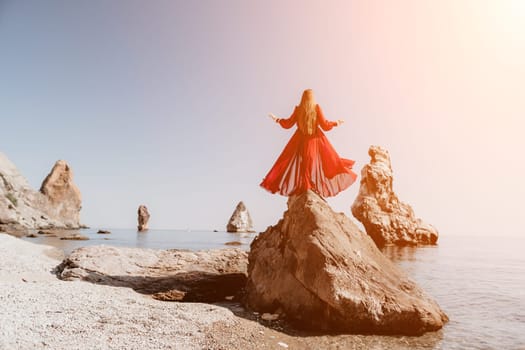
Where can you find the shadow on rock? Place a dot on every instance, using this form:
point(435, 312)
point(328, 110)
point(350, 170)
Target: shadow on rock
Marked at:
point(169, 275)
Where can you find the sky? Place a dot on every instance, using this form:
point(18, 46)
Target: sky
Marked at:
point(165, 103)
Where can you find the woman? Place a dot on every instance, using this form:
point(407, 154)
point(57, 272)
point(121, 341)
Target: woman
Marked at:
point(309, 162)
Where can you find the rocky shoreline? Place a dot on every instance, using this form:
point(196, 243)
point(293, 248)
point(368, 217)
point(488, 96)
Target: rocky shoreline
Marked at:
point(40, 311)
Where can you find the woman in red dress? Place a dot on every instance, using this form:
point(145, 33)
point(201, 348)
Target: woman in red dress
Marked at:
point(309, 162)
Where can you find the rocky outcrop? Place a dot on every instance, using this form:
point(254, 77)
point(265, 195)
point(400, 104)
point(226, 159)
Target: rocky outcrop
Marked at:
point(143, 218)
point(240, 221)
point(63, 194)
point(57, 206)
point(386, 219)
point(174, 275)
point(319, 271)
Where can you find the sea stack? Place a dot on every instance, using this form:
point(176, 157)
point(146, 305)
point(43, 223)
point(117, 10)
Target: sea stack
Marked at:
point(386, 219)
point(57, 205)
point(143, 218)
point(63, 194)
point(318, 270)
point(240, 221)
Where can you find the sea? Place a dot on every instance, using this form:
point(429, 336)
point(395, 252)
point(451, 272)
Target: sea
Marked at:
point(478, 281)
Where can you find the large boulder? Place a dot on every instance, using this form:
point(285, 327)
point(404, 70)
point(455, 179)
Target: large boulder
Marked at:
point(174, 275)
point(56, 206)
point(142, 218)
point(240, 221)
point(385, 218)
point(319, 271)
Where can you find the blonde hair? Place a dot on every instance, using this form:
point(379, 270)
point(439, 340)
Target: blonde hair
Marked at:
point(307, 113)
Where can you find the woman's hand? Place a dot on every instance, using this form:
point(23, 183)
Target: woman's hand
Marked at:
point(340, 121)
point(274, 118)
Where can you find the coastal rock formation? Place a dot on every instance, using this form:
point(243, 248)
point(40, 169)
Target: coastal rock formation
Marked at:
point(143, 218)
point(319, 271)
point(240, 220)
point(175, 275)
point(57, 206)
point(386, 219)
point(63, 194)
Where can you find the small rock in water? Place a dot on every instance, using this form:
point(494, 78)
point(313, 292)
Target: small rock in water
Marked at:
point(143, 218)
point(32, 235)
point(229, 297)
point(269, 317)
point(233, 243)
point(75, 238)
point(240, 221)
point(104, 232)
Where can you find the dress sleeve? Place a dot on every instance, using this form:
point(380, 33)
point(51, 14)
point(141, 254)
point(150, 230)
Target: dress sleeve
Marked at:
point(326, 125)
point(289, 122)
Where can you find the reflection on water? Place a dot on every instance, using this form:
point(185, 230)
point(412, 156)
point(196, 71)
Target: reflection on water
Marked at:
point(397, 254)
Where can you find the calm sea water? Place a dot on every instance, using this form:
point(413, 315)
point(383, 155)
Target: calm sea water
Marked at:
point(478, 281)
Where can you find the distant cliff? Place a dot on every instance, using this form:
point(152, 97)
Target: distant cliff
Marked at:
point(56, 205)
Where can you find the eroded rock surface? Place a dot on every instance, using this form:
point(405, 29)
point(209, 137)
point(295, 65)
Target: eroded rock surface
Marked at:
point(386, 219)
point(176, 275)
point(240, 221)
point(319, 271)
point(57, 206)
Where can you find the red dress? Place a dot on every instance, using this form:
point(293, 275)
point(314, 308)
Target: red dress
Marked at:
point(309, 162)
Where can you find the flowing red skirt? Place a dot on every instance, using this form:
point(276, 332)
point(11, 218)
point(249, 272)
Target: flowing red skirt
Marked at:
point(309, 163)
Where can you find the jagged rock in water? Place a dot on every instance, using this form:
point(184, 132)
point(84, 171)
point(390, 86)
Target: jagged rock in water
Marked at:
point(57, 206)
point(171, 275)
point(386, 219)
point(320, 272)
point(143, 218)
point(63, 194)
point(240, 220)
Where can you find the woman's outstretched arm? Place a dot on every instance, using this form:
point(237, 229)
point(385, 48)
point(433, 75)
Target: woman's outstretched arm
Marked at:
point(326, 125)
point(288, 122)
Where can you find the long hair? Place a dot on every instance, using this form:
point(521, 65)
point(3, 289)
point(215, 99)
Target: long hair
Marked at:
point(307, 114)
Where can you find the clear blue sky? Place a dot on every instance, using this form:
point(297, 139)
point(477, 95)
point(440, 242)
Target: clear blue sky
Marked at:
point(165, 103)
